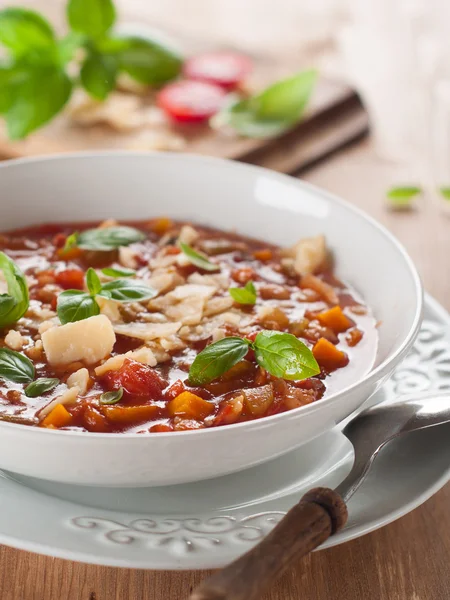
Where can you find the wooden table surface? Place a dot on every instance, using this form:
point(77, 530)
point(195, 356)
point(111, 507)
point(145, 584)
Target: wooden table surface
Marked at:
point(407, 560)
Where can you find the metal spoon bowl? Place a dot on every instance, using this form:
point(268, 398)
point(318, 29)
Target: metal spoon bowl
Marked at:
point(322, 511)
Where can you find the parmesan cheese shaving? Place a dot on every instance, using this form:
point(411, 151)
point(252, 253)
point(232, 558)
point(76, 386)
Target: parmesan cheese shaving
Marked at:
point(68, 397)
point(79, 379)
point(147, 331)
point(89, 340)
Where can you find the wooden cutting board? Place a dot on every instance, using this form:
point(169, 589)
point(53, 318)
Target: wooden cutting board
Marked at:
point(334, 118)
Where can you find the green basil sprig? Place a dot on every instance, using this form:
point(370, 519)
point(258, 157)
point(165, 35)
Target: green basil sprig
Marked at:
point(281, 354)
point(245, 295)
point(116, 272)
point(76, 305)
point(14, 304)
point(271, 112)
point(111, 397)
point(15, 366)
point(197, 259)
point(35, 83)
point(108, 238)
point(40, 386)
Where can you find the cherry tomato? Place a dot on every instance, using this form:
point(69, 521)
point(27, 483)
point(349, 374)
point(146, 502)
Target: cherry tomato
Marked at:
point(226, 69)
point(191, 101)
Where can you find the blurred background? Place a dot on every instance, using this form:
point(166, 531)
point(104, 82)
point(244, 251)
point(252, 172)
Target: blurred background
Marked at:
point(393, 53)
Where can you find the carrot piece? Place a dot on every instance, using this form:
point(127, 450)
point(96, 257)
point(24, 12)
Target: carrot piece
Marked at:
point(161, 428)
point(328, 356)
point(58, 417)
point(354, 336)
point(161, 226)
point(263, 255)
point(335, 319)
point(191, 406)
point(131, 414)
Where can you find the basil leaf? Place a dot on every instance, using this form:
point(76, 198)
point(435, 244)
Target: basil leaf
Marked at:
point(272, 112)
point(71, 242)
point(111, 397)
point(75, 305)
point(94, 285)
point(108, 238)
point(148, 62)
point(197, 259)
point(98, 75)
point(124, 290)
point(68, 46)
point(245, 295)
point(23, 31)
point(445, 192)
point(15, 366)
point(115, 272)
point(40, 386)
point(216, 359)
point(10, 77)
point(283, 355)
point(401, 197)
point(92, 17)
point(40, 95)
point(14, 304)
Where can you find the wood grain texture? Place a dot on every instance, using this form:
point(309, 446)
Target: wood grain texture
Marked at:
point(407, 560)
point(308, 524)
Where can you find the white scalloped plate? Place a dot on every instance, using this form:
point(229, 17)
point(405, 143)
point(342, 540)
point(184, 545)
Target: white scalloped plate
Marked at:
point(210, 523)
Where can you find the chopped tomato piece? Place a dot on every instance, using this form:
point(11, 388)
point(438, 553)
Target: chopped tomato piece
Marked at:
point(131, 414)
point(58, 417)
point(243, 275)
point(174, 390)
point(335, 319)
point(94, 420)
point(223, 68)
point(70, 279)
point(161, 428)
point(191, 101)
point(186, 424)
point(257, 400)
point(328, 356)
point(136, 379)
point(263, 255)
point(191, 406)
point(354, 336)
point(230, 411)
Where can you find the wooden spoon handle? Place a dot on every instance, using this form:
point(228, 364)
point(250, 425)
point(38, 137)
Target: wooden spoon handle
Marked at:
point(320, 513)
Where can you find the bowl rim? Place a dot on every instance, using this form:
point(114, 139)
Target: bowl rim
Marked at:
point(377, 373)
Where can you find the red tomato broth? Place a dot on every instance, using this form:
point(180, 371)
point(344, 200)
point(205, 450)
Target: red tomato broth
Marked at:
point(37, 251)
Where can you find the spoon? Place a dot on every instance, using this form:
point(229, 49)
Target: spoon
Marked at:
point(323, 511)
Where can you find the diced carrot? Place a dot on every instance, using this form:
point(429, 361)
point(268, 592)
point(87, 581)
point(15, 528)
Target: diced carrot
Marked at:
point(70, 254)
point(131, 414)
point(257, 400)
point(94, 420)
point(328, 356)
point(58, 417)
point(263, 255)
point(190, 406)
point(161, 226)
point(335, 319)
